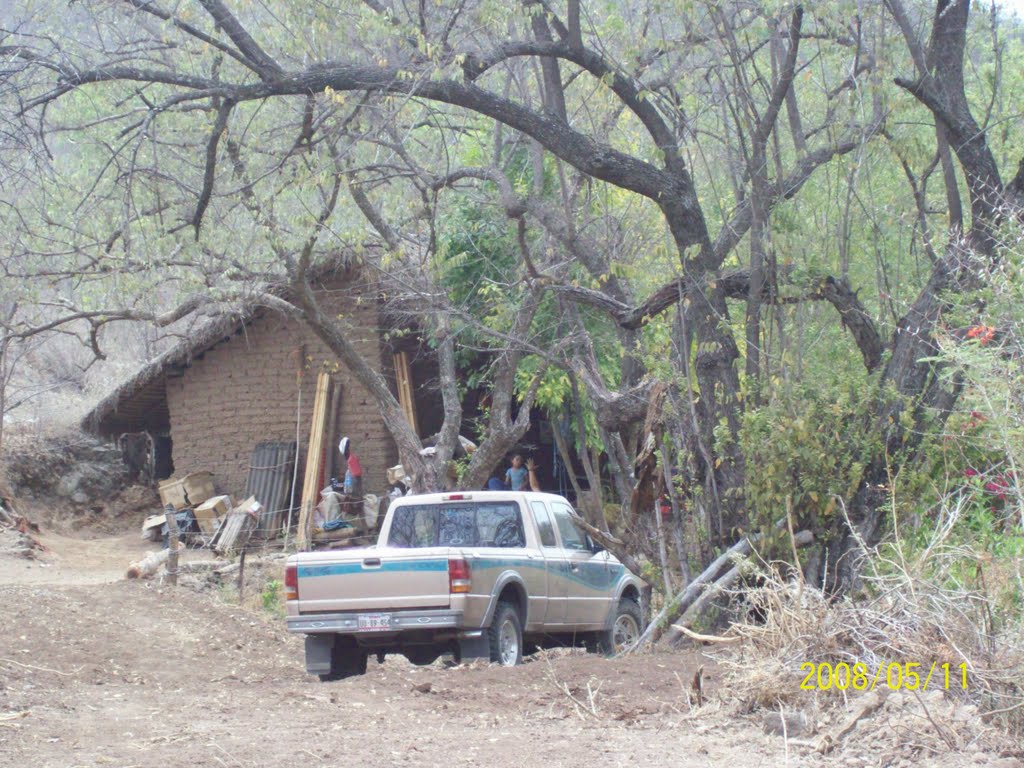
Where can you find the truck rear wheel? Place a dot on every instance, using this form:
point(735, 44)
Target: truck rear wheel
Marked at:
point(506, 636)
point(347, 660)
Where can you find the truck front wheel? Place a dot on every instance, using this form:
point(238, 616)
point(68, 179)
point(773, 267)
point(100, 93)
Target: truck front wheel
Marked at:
point(625, 629)
point(506, 636)
point(347, 660)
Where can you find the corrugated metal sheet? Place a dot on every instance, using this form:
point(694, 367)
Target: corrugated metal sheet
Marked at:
point(270, 481)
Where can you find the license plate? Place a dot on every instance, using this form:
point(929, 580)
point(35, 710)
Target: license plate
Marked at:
point(374, 622)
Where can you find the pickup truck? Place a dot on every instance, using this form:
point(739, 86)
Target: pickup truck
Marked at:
point(481, 574)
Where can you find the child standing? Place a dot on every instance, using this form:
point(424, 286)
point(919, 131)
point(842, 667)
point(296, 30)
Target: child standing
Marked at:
point(515, 476)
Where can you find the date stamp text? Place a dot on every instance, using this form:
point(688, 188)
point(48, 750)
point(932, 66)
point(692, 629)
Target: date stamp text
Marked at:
point(895, 676)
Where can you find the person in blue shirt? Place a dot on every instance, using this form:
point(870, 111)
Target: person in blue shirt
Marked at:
point(516, 475)
point(520, 478)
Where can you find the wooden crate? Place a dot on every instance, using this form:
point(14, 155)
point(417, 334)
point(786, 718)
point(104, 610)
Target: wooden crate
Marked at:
point(237, 528)
point(188, 491)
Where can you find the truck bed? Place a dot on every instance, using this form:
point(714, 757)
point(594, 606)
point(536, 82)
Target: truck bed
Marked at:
point(374, 578)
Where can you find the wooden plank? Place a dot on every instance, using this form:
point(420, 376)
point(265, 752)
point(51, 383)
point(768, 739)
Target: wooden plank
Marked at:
point(234, 532)
point(237, 528)
point(329, 451)
point(403, 379)
point(314, 461)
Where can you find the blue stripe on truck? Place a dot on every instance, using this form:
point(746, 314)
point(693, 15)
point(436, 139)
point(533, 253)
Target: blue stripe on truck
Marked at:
point(592, 575)
point(309, 571)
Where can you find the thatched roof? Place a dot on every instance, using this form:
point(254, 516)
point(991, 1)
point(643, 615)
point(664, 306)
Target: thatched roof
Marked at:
point(140, 402)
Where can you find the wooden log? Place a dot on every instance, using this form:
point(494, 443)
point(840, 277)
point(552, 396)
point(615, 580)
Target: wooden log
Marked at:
point(222, 568)
point(678, 605)
point(696, 610)
point(714, 639)
point(721, 571)
point(148, 565)
point(198, 566)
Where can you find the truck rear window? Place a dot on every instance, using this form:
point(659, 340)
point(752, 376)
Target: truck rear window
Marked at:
point(485, 524)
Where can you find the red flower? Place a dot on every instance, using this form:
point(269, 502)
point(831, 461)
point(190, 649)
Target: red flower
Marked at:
point(971, 472)
point(998, 486)
point(983, 333)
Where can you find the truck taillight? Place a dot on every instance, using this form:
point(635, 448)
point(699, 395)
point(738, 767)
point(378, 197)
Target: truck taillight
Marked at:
point(291, 582)
point(458, 576)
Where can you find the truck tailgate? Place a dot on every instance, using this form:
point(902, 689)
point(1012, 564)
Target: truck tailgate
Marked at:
point(373, 579)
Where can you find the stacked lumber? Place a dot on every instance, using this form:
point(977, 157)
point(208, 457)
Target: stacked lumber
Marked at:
point(237, 528)
point(314, 460)
point(403, 379)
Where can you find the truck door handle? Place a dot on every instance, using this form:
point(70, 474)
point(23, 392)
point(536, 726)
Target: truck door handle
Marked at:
point(574, 567)
point(371, 562)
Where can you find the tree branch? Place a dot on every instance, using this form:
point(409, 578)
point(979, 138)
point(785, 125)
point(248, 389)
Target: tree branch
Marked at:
point(147, 6)
point(266, 67)
point(767, 121)
point(219, 127)
point(736, 285)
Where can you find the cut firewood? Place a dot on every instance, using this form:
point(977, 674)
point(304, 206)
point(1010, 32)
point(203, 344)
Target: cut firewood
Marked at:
point(150, 564)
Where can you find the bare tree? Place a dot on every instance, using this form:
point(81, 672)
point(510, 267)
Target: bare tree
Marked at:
point(206, 123)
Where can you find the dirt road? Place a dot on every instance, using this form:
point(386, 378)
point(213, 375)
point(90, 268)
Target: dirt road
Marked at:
point(99, 671)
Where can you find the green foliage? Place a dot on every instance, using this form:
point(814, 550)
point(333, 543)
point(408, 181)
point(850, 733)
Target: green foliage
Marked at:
point(963, 530)
point(271, 598)
point(808, 446)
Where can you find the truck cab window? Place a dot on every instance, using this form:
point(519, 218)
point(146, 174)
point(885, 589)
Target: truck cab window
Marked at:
point(544, 526)
point(413, 527)
point(456, 529)
point(572, 537)
point(500, 526)
point(488, 524)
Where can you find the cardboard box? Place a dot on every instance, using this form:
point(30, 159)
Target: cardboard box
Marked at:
point(188, 491)
point(151, 527)
point(210, 512)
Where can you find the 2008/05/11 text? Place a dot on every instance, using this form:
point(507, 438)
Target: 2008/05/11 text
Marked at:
point(894, 676)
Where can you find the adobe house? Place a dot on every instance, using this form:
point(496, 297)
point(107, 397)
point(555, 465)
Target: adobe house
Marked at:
point(235, 383)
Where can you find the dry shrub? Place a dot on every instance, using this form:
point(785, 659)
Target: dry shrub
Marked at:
point(934, 604)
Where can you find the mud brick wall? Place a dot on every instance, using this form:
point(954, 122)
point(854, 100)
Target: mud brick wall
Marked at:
point(245, 390)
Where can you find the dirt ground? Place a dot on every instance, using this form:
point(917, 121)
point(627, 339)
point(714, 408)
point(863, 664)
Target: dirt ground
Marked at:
point(99, 671)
